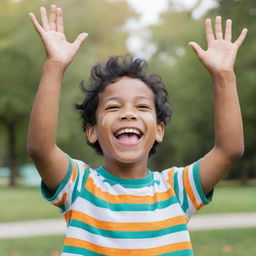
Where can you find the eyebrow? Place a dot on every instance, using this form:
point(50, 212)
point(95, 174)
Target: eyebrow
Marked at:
point(119, 98)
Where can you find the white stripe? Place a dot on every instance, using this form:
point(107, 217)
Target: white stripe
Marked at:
point(105, 214)
point(68, 188)
point(118, 189)
point(145, 243)
point(191, 209)
point(193, 185)
point(71, 254)
point(180, 172)
point(82, 172)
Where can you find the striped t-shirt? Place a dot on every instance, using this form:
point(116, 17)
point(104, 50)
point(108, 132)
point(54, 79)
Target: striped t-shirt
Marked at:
point(108, 215)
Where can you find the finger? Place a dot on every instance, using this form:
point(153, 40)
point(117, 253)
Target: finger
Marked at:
point(44, 19)
point(241, 38)
point(59, 22)
point(52, 17)
point(218, 28)
point(228, 31)
point(208, 31)
point(197, 48)
point(36, 24)
point(79, 40)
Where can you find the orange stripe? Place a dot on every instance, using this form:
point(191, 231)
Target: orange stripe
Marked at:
point(124, 198)
point(189, 189)
point(117, 252)
point(63, 200)
point(170, 177)
point(125, 226)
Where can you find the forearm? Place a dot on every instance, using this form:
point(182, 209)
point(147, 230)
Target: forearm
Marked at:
point(228, 121)
point(44, 115)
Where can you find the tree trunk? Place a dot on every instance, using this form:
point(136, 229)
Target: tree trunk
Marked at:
point(11, 158)
point(245, 173)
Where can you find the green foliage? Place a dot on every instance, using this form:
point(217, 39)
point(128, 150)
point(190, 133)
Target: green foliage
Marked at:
point(191, 133)
point(22, 57)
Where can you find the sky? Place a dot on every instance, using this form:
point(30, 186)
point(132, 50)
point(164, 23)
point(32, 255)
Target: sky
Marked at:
point(149, 11)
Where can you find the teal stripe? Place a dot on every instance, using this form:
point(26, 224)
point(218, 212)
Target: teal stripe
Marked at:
point(179, 253)
point(185, 201)
point(82, 251)
point(47, 194)
point(196, 175)
point(79, 251)
point(127, 234)
point(76, 192)
point(127, 183)
point(176, 185)
point(126, 206)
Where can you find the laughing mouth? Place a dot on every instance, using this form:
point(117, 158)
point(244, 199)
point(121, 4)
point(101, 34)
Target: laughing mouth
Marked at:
point(128, 136)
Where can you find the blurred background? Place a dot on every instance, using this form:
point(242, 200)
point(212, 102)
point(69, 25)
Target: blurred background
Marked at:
point(156, 30)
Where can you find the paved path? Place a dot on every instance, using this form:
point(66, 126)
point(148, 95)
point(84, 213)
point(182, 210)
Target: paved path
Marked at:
point(58, 226)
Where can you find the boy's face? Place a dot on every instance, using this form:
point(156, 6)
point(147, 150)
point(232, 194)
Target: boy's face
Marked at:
point(126, 127)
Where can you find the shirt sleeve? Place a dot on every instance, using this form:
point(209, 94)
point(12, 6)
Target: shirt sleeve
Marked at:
point(69, 189)
point(188, 188)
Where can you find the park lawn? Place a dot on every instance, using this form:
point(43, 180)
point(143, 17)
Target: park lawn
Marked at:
point(235, 242)
point(23, 203)
point(32, 246)
point(231, 198)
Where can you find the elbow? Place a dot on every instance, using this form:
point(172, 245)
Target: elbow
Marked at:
point(36, 151)
point(235, 153)
point(32, 151)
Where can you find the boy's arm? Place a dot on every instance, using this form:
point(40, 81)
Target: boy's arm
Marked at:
point(50, 160)
point(219, 59)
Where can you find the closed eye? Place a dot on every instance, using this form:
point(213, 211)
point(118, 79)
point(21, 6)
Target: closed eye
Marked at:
point(112, 107)
point(143, 106)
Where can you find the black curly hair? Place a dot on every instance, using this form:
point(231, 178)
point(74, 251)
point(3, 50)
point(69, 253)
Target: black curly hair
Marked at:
point(107, 73)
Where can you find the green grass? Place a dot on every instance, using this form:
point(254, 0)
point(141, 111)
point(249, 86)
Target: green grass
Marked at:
point(235, 242)
point(35, 246)
point(231, 198)
point(23, 203)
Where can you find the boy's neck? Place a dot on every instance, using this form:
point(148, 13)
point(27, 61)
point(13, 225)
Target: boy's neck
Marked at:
point(127, 171)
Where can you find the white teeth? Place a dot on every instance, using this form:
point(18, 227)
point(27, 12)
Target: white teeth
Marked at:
point(128, 130)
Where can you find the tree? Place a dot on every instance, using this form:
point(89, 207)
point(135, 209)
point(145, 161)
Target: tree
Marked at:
point(21, 61)
point(190, 134)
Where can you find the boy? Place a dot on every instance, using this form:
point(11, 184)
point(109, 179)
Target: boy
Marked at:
point(123, 208)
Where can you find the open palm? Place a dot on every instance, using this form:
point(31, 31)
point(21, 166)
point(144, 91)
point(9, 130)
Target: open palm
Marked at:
point(58, 49)
point(221, 52)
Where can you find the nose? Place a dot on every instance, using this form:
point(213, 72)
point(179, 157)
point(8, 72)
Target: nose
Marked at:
point(128, 115)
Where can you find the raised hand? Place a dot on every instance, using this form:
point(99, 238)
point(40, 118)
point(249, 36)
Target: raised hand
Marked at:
point(51, 31)
point(221, 52)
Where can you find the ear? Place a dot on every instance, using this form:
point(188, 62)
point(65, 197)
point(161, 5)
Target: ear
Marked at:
point(91, 133)
point(160, 132)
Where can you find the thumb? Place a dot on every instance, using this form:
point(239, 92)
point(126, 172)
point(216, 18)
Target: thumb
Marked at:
point(79, 40)
point(197, 48)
